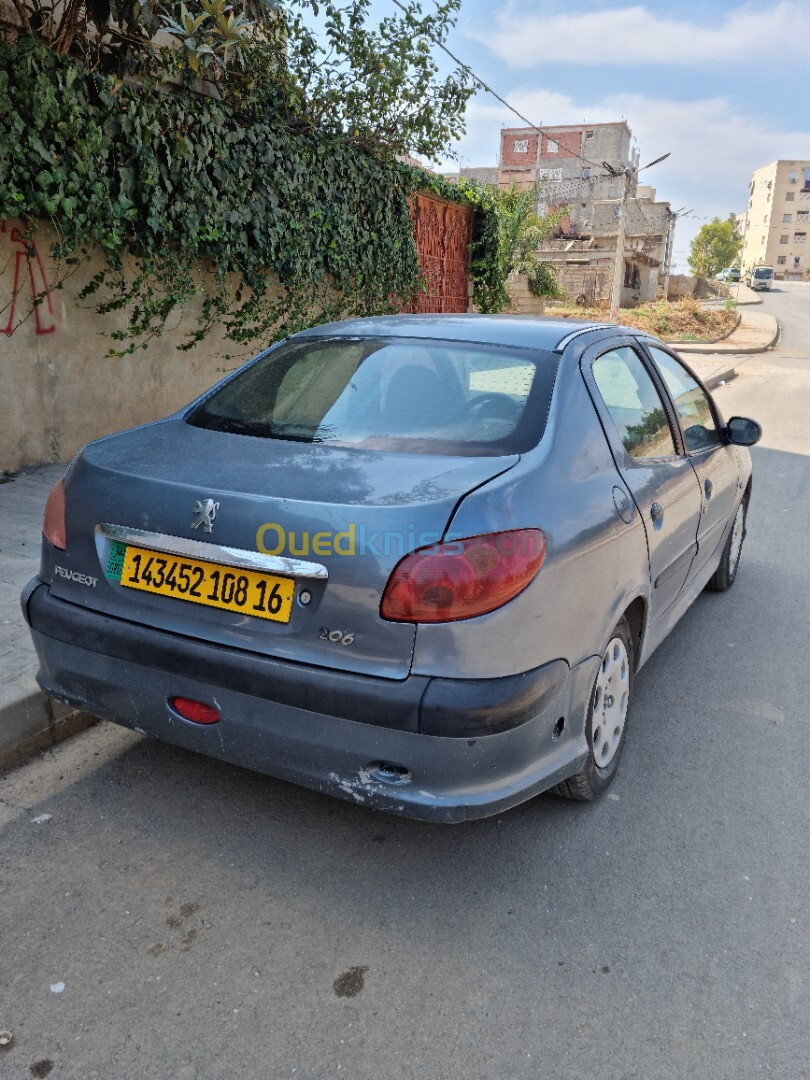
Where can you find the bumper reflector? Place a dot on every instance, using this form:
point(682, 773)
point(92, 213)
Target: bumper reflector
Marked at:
point(196, 711)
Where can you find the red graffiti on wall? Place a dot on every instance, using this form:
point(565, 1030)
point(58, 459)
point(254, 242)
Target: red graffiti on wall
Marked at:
point(24, 260)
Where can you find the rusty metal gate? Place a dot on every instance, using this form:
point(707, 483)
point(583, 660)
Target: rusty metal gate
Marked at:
point(442, 230)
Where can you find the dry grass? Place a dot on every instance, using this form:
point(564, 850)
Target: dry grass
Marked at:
point(678, 320)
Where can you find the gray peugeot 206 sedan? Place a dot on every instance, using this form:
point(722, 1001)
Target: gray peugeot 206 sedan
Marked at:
point(415, 562)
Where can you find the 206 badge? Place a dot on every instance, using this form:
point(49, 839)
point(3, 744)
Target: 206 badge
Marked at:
point(205, 511)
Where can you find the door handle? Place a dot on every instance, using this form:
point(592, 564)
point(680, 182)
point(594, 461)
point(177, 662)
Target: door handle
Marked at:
point(708, 488)
point(657, 513)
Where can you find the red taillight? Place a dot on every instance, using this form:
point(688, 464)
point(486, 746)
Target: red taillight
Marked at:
point(196, 711)
point(53, 527)
point(462, 578)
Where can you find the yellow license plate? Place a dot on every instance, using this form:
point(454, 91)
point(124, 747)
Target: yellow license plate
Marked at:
point(231, 588)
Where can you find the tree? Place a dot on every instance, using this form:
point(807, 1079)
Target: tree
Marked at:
point(522, 231)
point(327, 66)
point(716, 246)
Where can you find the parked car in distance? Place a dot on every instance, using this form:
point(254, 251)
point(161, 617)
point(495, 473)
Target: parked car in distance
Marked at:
point(759, 278)
point(731, 273)
point(415, 562)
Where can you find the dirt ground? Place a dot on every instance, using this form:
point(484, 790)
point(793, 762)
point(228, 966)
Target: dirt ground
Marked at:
point(678, 320)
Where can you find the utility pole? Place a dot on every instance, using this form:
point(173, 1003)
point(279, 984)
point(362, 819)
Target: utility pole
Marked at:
point(618, 266)
point(671, 218)
point(628, 177)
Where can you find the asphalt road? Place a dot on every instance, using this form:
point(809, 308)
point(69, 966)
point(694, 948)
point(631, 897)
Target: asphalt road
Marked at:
point(790, 302)
point(174, 917)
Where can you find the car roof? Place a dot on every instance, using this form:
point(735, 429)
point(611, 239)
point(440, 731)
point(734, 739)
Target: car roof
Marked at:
point(521, 331)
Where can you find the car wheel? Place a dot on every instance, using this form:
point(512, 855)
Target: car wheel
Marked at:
point(726, 572)
point(606, 727)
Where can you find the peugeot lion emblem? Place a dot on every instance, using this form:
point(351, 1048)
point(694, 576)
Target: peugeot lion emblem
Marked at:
point(205, 510)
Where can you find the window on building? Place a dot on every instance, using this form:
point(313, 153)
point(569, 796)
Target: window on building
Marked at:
point(802, 215)
point(553, 146)
point(797, 261)
point(617, 213)
point(588, 134)
point(799, 237)
point(790, 197)
point(782, 239)
point(521, 146)
point(632, 276)
point(586, 174)
point(781, 260)
point(806, 180)
point(787, 218)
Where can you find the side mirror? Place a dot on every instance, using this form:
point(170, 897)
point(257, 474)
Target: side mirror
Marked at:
point(743, 432)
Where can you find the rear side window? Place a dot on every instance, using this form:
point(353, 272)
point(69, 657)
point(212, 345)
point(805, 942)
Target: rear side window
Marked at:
point(394, 394)
point(691, 404)
point(634, 404)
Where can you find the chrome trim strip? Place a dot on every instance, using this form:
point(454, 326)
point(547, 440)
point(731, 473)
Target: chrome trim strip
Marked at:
point(198, 549)
point(560, 346)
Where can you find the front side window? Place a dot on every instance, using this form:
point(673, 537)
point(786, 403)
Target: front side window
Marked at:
point(691, 404)
point(634, 404)
point(406, 395)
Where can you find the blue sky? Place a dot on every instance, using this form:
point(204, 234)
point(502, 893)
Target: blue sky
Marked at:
point(723, 85)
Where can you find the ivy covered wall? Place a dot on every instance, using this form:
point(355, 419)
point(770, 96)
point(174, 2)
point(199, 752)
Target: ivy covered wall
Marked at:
point(217, 202)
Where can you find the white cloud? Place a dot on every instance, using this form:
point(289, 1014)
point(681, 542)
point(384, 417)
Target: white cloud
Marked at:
point(714, 146)
point(638, 35)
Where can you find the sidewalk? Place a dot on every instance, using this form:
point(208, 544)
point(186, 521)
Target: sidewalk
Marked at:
point(29, 721)
point(757, 332)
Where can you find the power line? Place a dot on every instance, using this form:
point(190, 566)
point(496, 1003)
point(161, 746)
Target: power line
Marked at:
point(497, 96)
point(643, 215)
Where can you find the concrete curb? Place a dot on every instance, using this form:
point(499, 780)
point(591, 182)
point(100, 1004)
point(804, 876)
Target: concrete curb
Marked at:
point(740, 350)
point(719, 377)
point(31, 722)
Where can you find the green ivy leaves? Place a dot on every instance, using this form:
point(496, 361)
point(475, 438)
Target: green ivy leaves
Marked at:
point(212, 205)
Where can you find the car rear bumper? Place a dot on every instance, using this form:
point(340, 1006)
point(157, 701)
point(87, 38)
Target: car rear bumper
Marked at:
point(310, 725)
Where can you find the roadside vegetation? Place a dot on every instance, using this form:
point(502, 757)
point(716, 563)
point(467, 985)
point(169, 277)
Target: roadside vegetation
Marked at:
point(678, 320)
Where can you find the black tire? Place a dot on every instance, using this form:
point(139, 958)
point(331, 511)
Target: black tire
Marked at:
point(726, 573)
point(593, 781)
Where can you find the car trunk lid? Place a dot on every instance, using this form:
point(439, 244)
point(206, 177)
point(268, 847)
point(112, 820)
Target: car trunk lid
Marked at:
point(351, 512)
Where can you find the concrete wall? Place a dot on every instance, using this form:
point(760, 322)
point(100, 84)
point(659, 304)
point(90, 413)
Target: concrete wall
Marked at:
point(681, 285)
point(524, 302)
point(58, 388)
point(644, 218)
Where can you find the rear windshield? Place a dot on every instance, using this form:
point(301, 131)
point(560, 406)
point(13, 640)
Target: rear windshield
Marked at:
point(406, 395)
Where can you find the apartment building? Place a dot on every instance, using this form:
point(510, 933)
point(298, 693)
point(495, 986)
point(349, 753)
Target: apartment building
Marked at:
point(566, 163)
point(778, 220)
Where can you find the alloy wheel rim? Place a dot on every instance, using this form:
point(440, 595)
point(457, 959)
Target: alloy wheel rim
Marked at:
point(610, 700)
point(736, 539)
